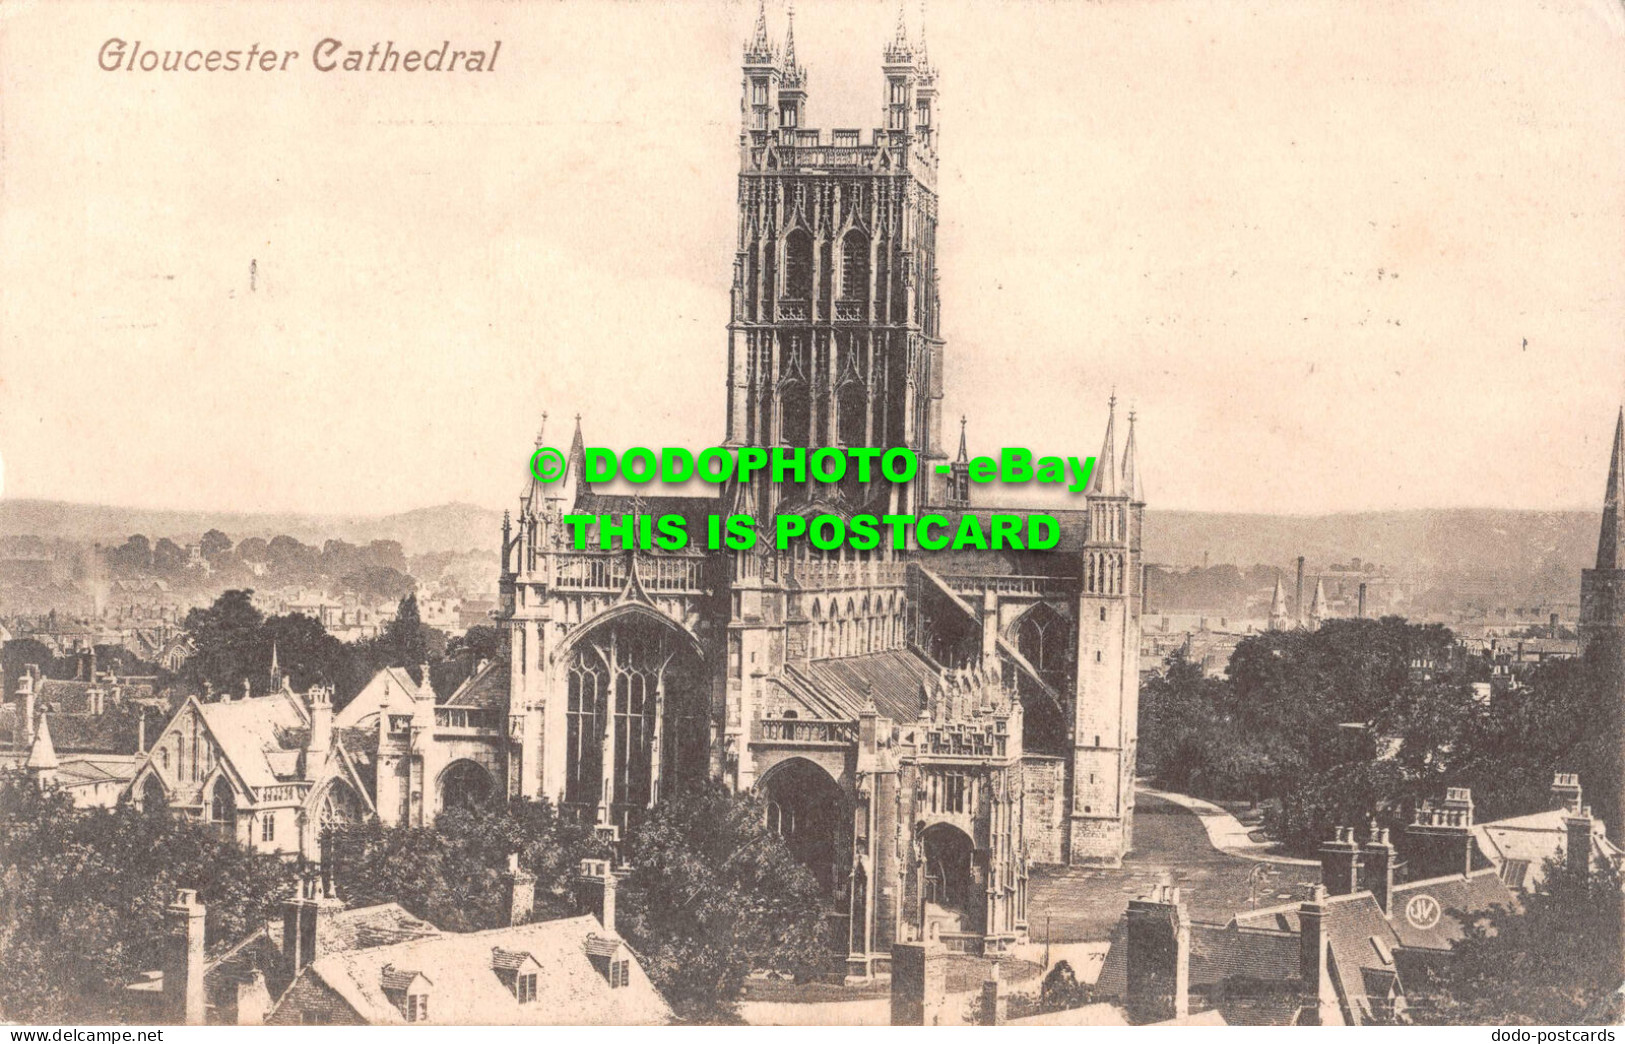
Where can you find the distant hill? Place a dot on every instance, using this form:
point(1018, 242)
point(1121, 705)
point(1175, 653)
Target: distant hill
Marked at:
point(446, 527)
point(1464, 542)
point(1461, 541)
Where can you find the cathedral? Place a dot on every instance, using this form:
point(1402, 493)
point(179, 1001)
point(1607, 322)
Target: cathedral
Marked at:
point(924, 727)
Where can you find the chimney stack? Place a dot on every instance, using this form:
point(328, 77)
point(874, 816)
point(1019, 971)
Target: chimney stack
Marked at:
point(183, 960)
point(25, 698)
point(1378, 857)
point(1578, 830)
point(599, 875)
point(1361, 613)
point(1297, 606)
point(1566, 793)
point(1440, 839)
point(919, 983)
point(306, 917)
point(321, 730)
point(1340, 863)
point(522, 894)
point(1320, 1007)
point(1159, 955)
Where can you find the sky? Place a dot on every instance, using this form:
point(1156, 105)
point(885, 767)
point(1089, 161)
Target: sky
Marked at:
point(1338, 256)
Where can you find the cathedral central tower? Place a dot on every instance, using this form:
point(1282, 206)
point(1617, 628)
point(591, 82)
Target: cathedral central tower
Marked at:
point(834, 334)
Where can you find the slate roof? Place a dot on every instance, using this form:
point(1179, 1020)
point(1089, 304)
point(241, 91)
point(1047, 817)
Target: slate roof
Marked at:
point(116, 732)
point(1364, 944)
point(344, 930)
point(466, 989)
point(486, 688)
point(390, 688)
point(695, 511)
point(260, 737)
point(841, 688)
point(1475, 893)
point(1521, 845)
point(1219, 954)
point(73, 697)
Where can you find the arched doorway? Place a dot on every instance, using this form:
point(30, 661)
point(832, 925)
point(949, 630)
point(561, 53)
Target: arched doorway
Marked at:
point(808, 810)
point(153, 798)
point(953, 897)
point(464, 784)
point(637, 715)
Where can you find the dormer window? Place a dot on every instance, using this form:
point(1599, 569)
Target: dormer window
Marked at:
point(409, 990)
point(518, 971)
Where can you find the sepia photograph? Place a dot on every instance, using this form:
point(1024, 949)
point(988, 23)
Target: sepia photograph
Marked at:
point(798, 513)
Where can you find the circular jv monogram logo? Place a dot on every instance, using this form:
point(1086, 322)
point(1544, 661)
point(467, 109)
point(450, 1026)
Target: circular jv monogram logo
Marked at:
point(1422, 911)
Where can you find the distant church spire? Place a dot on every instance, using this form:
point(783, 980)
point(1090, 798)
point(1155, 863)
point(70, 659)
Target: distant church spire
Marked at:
point(1103, 481)
point(1278, 617)
point(1317, 605)
point(1609, 549)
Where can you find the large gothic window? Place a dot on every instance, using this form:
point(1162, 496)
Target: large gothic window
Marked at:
point(855, 267)
point(1044, 638)
point(638, 684)
point(340, 807)
point(798, 265)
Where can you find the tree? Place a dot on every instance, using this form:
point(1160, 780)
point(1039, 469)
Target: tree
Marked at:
point(403, 643)
point(1556, 963)
point(20, 653)
point(226, 636)
point(254, 549)
point(82, 911)
point(712, 895)
point(455, 874)
point(131, 559)
point(213, 544)
point(168, 557)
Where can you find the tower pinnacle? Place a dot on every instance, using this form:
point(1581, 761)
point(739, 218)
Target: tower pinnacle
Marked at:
point(1103, 482)
point(759, 49)
point(1131, 481)
point(42, 755)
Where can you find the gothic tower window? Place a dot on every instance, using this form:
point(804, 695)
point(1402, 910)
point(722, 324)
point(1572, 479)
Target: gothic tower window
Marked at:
point(584, 709)
point(798, 265)
point(853, 404)
point(855, 267)
point(796, 413)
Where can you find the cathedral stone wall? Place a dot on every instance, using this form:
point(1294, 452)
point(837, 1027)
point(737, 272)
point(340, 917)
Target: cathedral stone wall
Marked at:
point(1044, 807)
